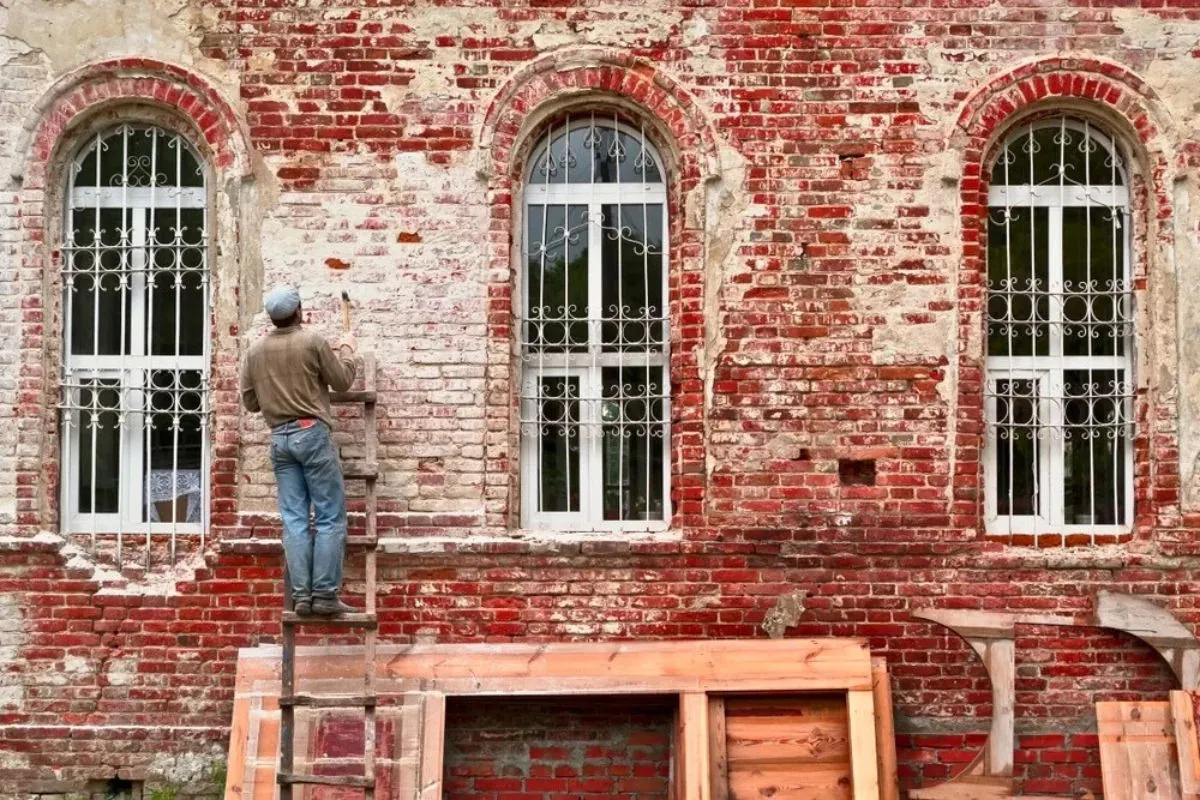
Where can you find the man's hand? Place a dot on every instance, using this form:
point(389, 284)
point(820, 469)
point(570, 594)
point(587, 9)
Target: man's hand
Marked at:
point(347, 342)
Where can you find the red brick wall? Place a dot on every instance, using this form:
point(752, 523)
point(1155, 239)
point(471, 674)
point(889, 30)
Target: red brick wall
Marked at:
point(558, 747)
point(828, 164)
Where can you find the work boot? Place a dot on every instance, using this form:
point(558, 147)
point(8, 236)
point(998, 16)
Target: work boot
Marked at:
point(331, 606)
point(303, 607)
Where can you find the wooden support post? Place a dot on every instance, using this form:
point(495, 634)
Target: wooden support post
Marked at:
point(718, 751)
point(433, 742)
point(863, 769)
point(694, 746)
point(885, 733)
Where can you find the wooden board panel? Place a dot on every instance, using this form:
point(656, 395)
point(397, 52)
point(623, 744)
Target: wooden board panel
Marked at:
point(794, 748)
point(1187, 745)
point(636, 667)
point(1137, 754)
point(433, 743)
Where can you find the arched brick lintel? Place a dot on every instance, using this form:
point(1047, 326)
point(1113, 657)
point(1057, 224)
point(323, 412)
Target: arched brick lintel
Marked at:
point(130, 80)
point(509, 119)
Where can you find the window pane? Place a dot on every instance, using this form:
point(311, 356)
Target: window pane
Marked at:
point(177, 315)
point(596, 153)
point(1097, 306)
point(1018, 282)
point(557, 264)
point(1095, 440)
point(99, 467)
point(632, 303)
point(1018, 447)
point(558, 426)
point(97, 279)
point(173, 476)
point(633, 414)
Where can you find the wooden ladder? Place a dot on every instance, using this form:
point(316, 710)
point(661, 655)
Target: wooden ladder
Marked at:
point(366, 469)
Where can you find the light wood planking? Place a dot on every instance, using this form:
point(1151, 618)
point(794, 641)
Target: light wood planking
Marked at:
point(1137, 754)
point(718, 754)
point(433, 743)
point(788, 747)
point(864, 771)
point(885, 734)
point(1183, 720)
point(784, 665)
point(1000, 661)
point(694, 747)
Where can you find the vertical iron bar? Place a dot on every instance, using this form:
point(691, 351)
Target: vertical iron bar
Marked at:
point(97, 241)
point(1035, 386)
point(568, 326)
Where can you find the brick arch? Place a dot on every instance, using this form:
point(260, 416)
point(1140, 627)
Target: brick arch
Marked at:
point(85, 90)
point(513, 113)
point(533, 96)
point(1129, 110)
point(65, 106)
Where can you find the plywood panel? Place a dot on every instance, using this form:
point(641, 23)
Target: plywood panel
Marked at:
point(788, 748)
point(1137, 753)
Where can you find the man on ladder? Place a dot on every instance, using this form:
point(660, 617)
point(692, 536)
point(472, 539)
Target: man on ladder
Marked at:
point(287, 376)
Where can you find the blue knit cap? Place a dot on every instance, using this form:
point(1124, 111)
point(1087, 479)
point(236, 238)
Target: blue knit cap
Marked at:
point(282, 302)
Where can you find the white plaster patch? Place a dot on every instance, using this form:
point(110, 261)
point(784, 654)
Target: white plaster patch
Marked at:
point(12, 639)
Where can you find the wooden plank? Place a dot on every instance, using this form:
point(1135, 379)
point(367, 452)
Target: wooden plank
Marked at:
point(988, 624)
point(774, 731)
point(239, 739)
point(433, 742)
point(718, 756)
point(782, 665)
point(1001, 666)
point(885, 733)
point(1137, 751)
point(356, 781)
point(863, 770)
point(329, 701)
point(694, 747)
point(1183, 720)
point(967, 788)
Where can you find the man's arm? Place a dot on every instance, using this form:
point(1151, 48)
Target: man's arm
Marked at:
point(336, 370)
point(249, 397)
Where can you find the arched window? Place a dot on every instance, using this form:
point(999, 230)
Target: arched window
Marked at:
point(136, 336)
point(1060, 333)
point(595, 404)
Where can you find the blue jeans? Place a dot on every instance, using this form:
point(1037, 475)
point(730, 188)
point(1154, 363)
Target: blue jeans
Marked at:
point(309, 471)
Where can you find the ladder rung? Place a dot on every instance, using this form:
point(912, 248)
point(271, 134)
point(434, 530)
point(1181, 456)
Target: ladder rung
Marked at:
point(312, 701)
point(327, 780)
point(362, 541)
point(353, 396)
point(341, 620)
point(360, 469)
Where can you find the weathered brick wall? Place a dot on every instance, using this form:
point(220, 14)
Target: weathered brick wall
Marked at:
point(827, 162)
point(549, 749)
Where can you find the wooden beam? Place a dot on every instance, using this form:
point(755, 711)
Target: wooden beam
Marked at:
point(1000, 661)
point(1156, 627)
point(1183, 717)
point(864, 771)
point(718, 752)
point(885, 734)
point(694, 747)
point(433, 743)
point(782, 665)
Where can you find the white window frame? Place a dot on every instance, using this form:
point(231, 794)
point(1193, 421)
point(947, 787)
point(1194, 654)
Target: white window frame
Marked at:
point(1048, 370)
point(131, 369)
point(587, 367)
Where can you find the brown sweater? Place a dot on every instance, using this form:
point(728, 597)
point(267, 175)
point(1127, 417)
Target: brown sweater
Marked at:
point(288, 373)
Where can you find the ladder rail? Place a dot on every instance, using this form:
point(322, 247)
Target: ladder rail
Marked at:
point(367, 470)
